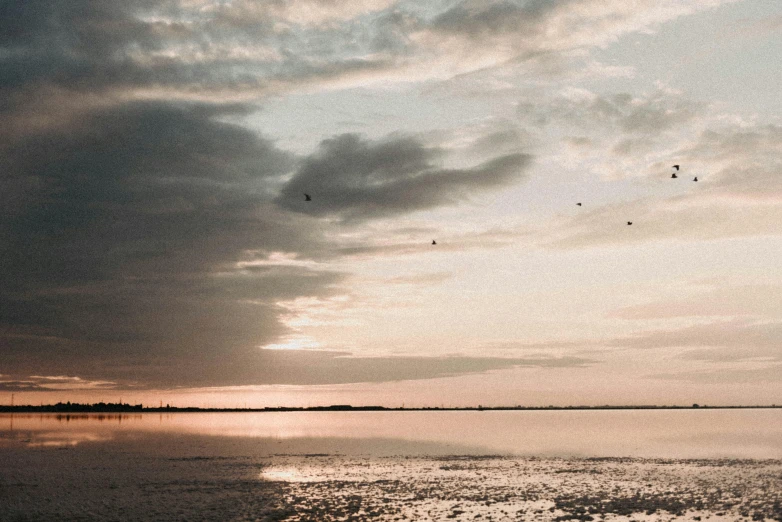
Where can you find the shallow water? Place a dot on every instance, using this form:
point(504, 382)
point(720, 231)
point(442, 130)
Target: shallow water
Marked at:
point(606, 433)
point(390, 466)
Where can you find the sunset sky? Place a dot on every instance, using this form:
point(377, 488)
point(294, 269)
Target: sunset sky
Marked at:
point(155, 243)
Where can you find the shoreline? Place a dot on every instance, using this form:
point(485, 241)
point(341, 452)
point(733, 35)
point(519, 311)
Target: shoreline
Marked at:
point(127, 408)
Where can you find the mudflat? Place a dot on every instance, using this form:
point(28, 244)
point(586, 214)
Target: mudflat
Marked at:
point(461, 487)
point(142, 477)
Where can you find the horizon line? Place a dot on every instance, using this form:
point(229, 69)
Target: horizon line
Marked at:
point(101, 407)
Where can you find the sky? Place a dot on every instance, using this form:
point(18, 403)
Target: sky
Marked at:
point(156, 245)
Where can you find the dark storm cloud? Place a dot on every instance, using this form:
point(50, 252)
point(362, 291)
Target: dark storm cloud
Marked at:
point(123, 222)
point(120, 247)
point(136, 182)
point(357, 179)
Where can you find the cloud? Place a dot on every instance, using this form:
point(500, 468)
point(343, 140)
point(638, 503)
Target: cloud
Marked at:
point(84, 45)
point(315, 367)
point(356, 179)
point(141, 239)
point(307, 367)
point(760, 27)
point(148, 238)
point(242, 49)
point(175, 49)
point(743, 161)
point(762, 301)
point(472, 35)
point(623, 114)
point(422, 279)
point(300, 12)
point(770, 373)
point(124, 234)
point(53, 383)
point(627, 144)
point(720, 341)
point(128, 184)
point(331, 367)
point(326, 43)
point(491, 19)
point(693, 218)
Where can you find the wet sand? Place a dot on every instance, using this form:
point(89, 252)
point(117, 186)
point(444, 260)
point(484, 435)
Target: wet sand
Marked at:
point(514, 488)
point(140, 477)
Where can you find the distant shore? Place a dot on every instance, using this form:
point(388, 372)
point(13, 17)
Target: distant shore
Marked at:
point(140, 408)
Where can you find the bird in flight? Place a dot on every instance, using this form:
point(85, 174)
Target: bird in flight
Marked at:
point(676, 167)
point(434, 242)
point(307, 197)
point(578, 204)
point(629, 222)
point(674, 176)
point(695, 178)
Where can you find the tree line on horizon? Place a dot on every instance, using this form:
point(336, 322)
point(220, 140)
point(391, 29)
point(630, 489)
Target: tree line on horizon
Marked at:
point(110, 407)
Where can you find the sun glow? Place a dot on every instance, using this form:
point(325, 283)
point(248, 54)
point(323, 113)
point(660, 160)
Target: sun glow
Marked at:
point(294, 343)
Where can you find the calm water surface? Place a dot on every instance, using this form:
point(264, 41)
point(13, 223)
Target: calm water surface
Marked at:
point(639, 433)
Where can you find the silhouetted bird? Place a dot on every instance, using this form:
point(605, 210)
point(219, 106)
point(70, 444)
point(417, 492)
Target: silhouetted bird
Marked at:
point(629, 222)
point(674, 176)
point(695, 178)
point(434, 242)
point(578, 204)
point(676, 167)
point(307, 197)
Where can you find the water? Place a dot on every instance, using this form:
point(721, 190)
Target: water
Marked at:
point(608, 433)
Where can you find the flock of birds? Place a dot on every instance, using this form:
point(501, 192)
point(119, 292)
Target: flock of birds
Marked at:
point(673, 176)
point(307, 197)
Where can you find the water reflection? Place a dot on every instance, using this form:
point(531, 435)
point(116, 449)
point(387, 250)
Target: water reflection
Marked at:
point(58, 440)
point(636, 433)
point(45, 429)
point(100, 417)
point(68, 417)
